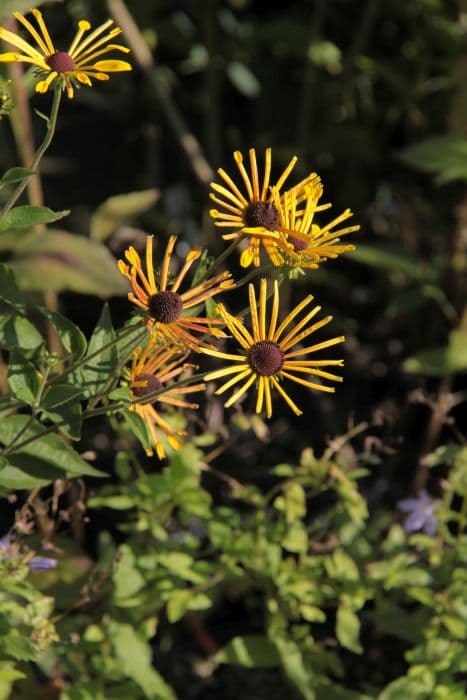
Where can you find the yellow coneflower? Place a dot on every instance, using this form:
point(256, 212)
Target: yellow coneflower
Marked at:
point(266, 355)
point(163, 302)
point(151, 370)
point(252, 213)
point(309, 243)
point(73, 67)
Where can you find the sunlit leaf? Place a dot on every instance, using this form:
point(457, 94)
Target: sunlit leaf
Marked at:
point(57, 261)
point(28, 216)
point(251, 651)
point(118, 209)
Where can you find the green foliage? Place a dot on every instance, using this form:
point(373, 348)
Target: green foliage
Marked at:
point(446, 156)
point(27, 216)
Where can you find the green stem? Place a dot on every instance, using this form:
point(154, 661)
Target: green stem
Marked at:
point(51, 125)
point(106, 346)
point(117, 406)
point(219, 260)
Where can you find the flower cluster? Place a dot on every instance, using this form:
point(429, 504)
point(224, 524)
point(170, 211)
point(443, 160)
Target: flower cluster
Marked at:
point(282, 221)
point(261, 213)
point(271, 351)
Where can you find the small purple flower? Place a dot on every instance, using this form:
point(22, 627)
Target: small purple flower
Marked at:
point(8, 549)
point(38, 563)
point(420, 512)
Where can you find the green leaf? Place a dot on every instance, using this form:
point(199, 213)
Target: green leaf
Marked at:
point(15, 175)
point(181, 601)
point(140, 429)
point(134, 656)
point(348, 629)
point(441, 361)
point(295, 667)
point(127, 578)
point(96, 371)
point(325, 54)
point(27, 216)
point(49, 452)
point(340, 566)
point(404, 689)
point(57, 261)
point(296, 538)
point(68, 418)
point(118, 502)
point(16, 331)
point(23, 379)
point(7, 7)
point(444, 155)
point(14, 478)
point(60, 394)
point(9, 290)
point(251, 651)
point(118, 209)
point(243, 79)
point(70, 335)
point(10, 674)
point(391, 259)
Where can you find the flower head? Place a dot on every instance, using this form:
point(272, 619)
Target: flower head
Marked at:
point(420, 513)
point(309, 243)
point(9, 549)
point(252, 212)
point(153, 370)
point(267, 356)
point(163, 302)
point(69, 68)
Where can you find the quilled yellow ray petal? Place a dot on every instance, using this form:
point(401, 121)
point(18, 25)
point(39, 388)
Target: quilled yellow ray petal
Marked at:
point(243, 389)
point(286, 397)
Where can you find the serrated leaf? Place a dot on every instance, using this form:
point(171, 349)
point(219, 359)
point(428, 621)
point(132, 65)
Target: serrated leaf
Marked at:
point(118, 209)
point(96, 371)
point(23, 379)
point(250, 651)
point(48, 453)
point(16, 331)
point(9, 290)
point(70, 335)
point(57, 260)
point(15, 175)
point(27, 216)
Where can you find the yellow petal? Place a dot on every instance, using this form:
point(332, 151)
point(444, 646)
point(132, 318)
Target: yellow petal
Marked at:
point(246, 258)
point(112, 66)
point(83, 78)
